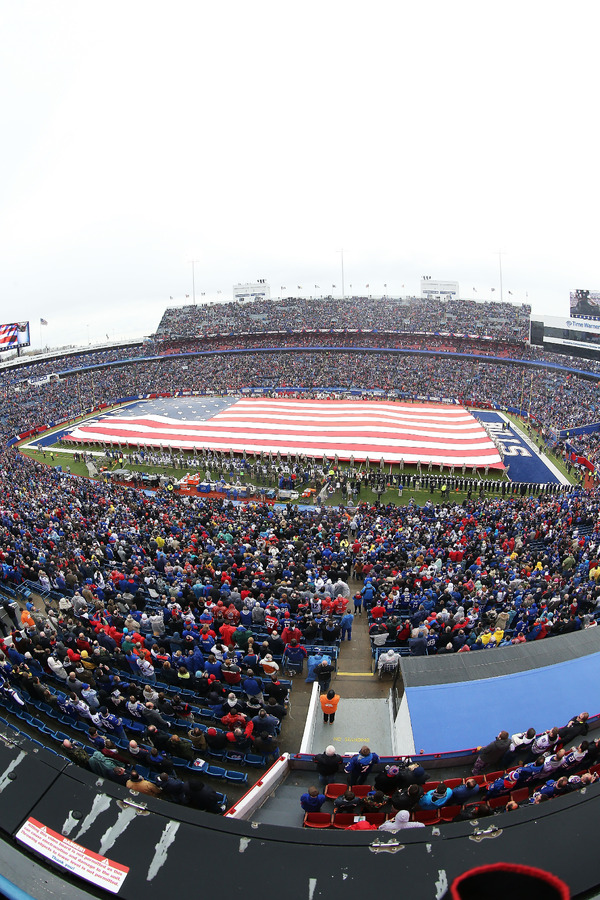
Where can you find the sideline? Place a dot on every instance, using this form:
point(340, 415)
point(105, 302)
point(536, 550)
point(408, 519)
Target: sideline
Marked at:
point(532, 446)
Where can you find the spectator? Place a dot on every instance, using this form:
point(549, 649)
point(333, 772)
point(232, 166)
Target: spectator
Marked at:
point(312, 801)
point(359, 766)
point(492, 753)
point(328, 765)
point(329, 705)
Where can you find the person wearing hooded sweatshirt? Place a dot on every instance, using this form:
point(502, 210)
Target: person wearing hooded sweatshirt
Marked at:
point(400, 821)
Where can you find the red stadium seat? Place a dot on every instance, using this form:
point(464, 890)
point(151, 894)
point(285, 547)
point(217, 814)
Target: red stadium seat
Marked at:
point(375, 818)
point(342, 820)
point(480, 779)
point(430, 786)
point(335, 790)
point(453, 782)
point(520, 794)
point(426, 816)
point(317, 820)
point(361, 790)
point(449, 813)
point(494, 775)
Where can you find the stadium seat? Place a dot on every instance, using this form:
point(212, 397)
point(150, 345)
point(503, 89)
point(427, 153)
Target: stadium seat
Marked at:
point(520, 794)
point(342, 820)
point(317, 820)
point(235, 758)
point(430, 786)
point(426, 816)
point(449, 813)
point(215, 772)
point(236, 777)
point(480, 779)
point(453, 782)
point(334, 790)
point(256, 760)
point(493, 776)
point(375, 818)
point(135, 727)
point(216, 754)
point(497, 802)
point(361, 790)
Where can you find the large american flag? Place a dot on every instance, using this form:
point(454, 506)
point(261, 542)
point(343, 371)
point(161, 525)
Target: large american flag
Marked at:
point(427, 432)
point(9, 336)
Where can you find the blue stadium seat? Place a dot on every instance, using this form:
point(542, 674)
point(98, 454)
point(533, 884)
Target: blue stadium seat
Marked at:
point(235, 757)
point(236, 777)
point(258, 761)
point(216, 754)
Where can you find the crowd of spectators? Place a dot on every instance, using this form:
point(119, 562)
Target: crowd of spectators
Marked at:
point(531, 768)
point(504, 321)
point(554, 400)
point(204, 595)
point(524, 566)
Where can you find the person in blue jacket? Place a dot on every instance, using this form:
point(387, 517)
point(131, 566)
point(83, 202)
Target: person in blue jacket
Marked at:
point(358, 766)
point(346, 623)
point(312, 801)
point(436, 798)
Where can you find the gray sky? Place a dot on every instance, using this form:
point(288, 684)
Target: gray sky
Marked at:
point(259, 138)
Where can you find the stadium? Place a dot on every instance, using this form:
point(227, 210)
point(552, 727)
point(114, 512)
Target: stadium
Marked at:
point(207, 529)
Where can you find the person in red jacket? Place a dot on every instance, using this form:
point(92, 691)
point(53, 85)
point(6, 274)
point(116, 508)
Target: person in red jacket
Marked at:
point(291, 633)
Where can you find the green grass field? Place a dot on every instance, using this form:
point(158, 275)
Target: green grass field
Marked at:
point(50, 456)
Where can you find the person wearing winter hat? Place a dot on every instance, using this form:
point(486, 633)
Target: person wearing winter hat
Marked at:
point(389, 780)
point(329, 705)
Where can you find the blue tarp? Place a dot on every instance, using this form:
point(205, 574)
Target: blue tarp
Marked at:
point(471, 713)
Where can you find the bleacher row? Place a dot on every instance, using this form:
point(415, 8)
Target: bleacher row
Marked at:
point(137, 728)
point(151, 604)
point(439, 816)
point(444, 814)
point(199, 766)
point(59, 737)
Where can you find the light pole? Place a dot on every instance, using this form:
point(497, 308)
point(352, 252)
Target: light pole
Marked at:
point(193, 262)
point(500, 263)
point(342, 255)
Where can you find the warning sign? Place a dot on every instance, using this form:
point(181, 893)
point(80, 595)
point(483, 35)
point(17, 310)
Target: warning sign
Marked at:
point(64, 852)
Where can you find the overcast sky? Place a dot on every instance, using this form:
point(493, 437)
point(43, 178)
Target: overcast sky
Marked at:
point(260, 138)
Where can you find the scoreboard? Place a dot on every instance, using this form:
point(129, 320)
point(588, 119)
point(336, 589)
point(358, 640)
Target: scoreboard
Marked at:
point(584, 304)
point(570, 337)
point(14, 335)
